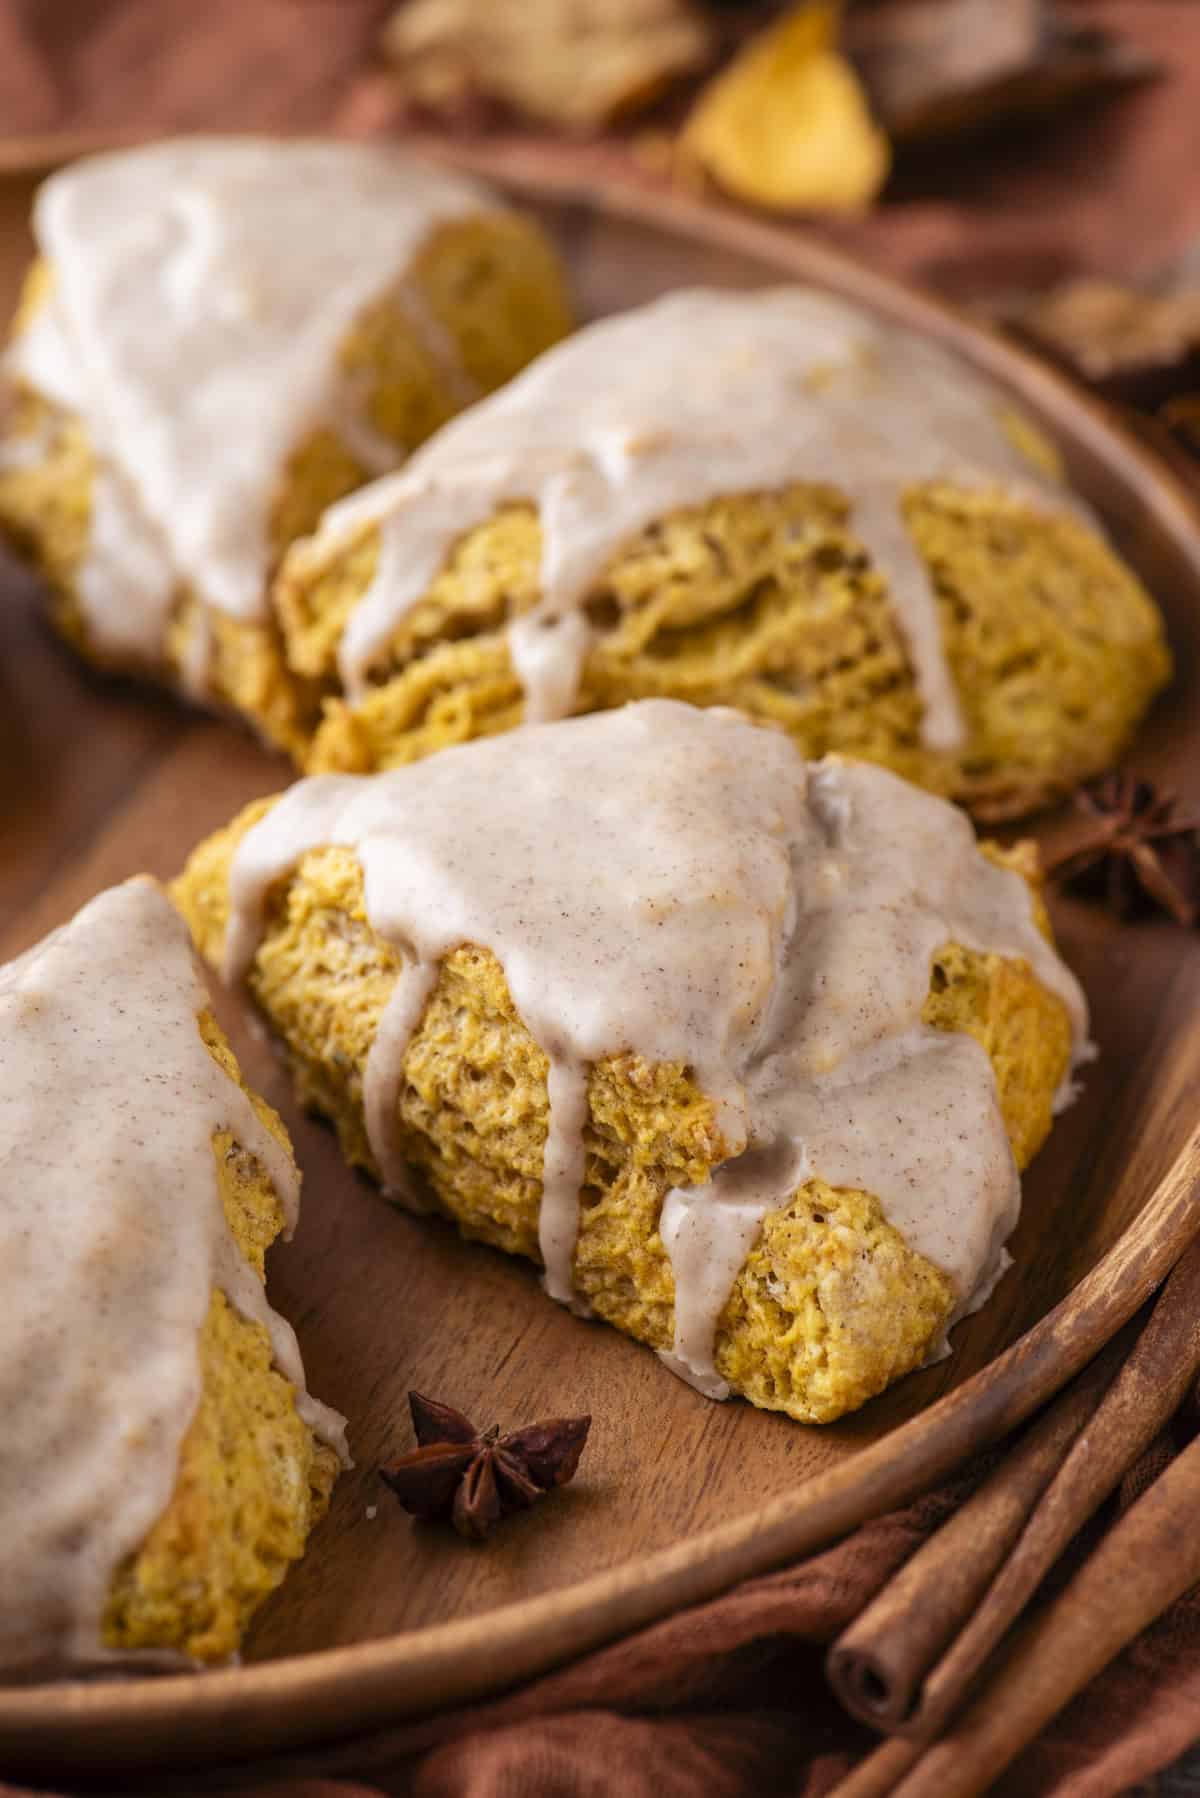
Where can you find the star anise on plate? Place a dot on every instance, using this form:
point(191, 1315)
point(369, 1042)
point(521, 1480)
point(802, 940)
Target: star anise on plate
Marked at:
point(1135, 850)
point(476, 1477)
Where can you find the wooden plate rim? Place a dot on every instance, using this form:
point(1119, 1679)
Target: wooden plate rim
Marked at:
point(305, 1698)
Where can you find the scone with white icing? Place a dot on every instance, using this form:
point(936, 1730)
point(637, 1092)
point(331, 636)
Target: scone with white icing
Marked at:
point(765, 500)
point(163, 1462)
point(221, 337)
point(748, 1052)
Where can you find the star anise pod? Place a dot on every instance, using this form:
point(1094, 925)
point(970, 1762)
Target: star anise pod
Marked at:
point(476, 1477)
point(1135, 851)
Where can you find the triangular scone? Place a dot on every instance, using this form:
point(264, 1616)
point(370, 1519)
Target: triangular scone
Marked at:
point(163, 1460)
point(769, 500)
point(748, 1052)
point(222, 336)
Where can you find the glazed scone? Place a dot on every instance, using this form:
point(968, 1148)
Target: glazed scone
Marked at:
point(747, 1052)
point(763, 500)
point(221, 338)
point(164, 1462)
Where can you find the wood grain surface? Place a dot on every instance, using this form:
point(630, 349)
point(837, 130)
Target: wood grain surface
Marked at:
point(676, 1497)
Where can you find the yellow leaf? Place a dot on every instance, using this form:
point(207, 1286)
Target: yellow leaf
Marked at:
point(787, 125)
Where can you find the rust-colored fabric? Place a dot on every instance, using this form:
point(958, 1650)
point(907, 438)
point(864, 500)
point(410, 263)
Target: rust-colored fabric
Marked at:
point(1111, 188)
point(727, 1700)
point(83, 66)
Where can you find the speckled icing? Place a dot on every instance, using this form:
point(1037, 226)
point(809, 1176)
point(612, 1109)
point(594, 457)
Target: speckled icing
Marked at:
point(112, 1239)
point(701, 394)
point(680, 884)
point(202, 290)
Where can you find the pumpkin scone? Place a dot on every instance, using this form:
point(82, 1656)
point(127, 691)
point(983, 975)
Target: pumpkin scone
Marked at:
point(748, 1052)
point(164, 1462)
point(221, 337)
point(766, 500)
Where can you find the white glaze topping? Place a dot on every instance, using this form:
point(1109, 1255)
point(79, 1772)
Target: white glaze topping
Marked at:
point(680, 884)
point(202, 289)
point(699, 395)
point(112, 1238)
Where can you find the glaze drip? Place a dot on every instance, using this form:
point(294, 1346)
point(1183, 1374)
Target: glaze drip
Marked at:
point(680, 884)
point(701, 394)
point(113, 1237)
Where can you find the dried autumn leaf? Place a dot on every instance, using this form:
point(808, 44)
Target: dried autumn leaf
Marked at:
point(911, 56)
point(1135, 346)
point(786, 125)
point(940, 69)
point(577, 66)
point(1103, 326)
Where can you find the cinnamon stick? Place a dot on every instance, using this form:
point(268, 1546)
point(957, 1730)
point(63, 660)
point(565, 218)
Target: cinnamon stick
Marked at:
point(1145, 1393)
point(1145, 1562)
point(879, 1774)
point(878, 1665)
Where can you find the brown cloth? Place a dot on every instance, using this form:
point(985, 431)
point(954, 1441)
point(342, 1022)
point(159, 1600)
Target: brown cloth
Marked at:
point(727, 1700)
point(121, 66)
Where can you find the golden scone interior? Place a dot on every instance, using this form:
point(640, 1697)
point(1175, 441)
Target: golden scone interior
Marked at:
point(165, 1462)
point(762, 500)
point(831, 1290)
point(315, 353)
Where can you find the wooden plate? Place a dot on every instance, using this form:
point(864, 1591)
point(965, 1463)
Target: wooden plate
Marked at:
point(677, 1497)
